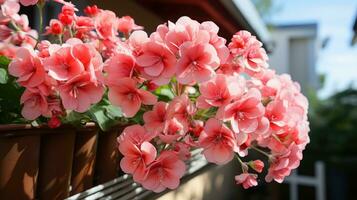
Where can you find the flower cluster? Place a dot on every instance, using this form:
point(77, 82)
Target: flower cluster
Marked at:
point(182, 86)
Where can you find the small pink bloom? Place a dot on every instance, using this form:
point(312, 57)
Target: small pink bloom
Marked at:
point(181, 108)
point(276, 112)
point(28, 68)
point(243, 143)
point(197, 63)
point(128, 97)
point(136, 42)
point(83, 26)
point(185, 29)
point(164, 172)
point(257, 165)
point(173, 130)
point(134, 144)
point(157, 62)
point(219, 91)
point(247, 180)
point(56, 27)
point(91, 10)
point(63, 65)
point(5, 32)
point(80, 92)
point(8, 10)
point(119, 66)
point(248, 50)
point(136, 134)
point(126, 25)
point(90, 58)
point(218, 142)
point(217, 42)
point(106, 25)
point(155, 119)
point(28, 2)
point(35, 103)
point(136, 158)
point(196, 127)
point(244, 113)
point(255, 58)
point(43, 48)
point(54, 122)
point(183, 150)
point(283, 163)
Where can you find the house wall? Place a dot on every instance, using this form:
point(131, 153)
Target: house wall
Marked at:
point(295, 52)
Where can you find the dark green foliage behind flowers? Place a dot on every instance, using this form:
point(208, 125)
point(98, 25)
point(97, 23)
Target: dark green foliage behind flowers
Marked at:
point(10, 94)
point(334, 125)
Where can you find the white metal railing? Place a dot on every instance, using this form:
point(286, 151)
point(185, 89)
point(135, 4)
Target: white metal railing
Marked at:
point(123, 188)
point(318, 181)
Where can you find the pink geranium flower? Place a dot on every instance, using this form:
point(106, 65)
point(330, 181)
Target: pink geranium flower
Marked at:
point(136, 134)
point(247, 180)
point(89, 57)
point(35, 103)
point(218, 142)
point(157, 62)
point(126, 25)
point(248, 50)
point(172, 131)
point(80, 92)
point(119, 66)
point(62, 65)
point(28, 68)
point(134, 144)
point(5, 32)
point(240, 41)
point(257, 165)
point(185, 29)
point(155, 119)
point(181, 108)
point(219, 91)
point(183, 150)
point(136, 42)
point(28, 2)
point(283, 163)
point(8, 9)
point(244, 113)
point(197, 63)
point(128, 97)
point(136, 158)
point(106, 24)
point(217, 42)
point(255, 58)
point(164, 172)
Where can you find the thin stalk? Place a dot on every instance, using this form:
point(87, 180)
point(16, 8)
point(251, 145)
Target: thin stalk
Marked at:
point(261, 151)
point(40, 11)
point(242, 164)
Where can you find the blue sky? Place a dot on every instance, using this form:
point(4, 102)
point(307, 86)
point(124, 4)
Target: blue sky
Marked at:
point(335, 19)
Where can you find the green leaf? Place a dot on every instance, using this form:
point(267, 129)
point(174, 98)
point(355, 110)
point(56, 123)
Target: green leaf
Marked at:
point(164, 93)
point(105, 114)
point(10, 94)
point(4, 62)
point(76, 118)
point(3, 76)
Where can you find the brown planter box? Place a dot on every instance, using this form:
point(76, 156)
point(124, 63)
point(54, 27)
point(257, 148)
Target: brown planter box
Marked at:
point(44, 163)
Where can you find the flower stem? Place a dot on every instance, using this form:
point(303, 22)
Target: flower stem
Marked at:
point(40, 11)
point(261, 151)
point(242, 164)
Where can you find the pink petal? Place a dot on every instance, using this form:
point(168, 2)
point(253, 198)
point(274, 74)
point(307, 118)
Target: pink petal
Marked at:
point(147, 97)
